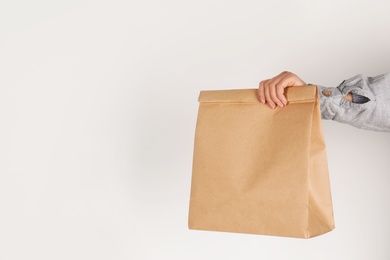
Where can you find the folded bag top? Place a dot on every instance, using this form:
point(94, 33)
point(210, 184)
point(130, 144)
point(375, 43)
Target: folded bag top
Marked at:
point(293, 94)
point(258, 170)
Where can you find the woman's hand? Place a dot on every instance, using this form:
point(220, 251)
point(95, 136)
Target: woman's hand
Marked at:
point(272, 90)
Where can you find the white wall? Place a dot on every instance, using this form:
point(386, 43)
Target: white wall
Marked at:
point(98, 107)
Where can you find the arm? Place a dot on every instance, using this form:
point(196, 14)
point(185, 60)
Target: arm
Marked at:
point(360, 101)
point(371, 108)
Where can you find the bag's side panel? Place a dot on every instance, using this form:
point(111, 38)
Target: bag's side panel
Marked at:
point(250, 169)
point(320, 201)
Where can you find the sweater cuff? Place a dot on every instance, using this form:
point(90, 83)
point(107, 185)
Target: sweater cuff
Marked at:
point(330, 98)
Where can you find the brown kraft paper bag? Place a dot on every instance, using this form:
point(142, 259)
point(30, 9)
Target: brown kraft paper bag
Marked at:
point(258, 170)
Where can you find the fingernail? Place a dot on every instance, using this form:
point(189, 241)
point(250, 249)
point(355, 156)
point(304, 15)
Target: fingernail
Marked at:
point(284, 102)
point(281, 105)
point(262, 100)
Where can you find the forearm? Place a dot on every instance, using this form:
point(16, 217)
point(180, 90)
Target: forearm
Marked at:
point(371, 109)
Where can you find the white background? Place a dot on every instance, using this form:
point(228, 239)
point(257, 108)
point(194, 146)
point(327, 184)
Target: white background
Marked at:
point(98, 106)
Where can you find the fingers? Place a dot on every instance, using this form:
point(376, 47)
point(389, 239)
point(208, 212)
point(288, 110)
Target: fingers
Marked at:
point(271, 91)
point(260, 91)
point(276, 92)
point(280, 93)
point(264, 94)
point(268, 92)
point(270, 102)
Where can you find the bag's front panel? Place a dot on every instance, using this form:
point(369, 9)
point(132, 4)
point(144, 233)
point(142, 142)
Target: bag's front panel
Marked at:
point(250, 169)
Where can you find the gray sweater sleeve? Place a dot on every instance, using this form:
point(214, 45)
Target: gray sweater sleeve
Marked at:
point(370, 108)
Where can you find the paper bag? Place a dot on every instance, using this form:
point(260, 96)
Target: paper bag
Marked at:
point(259, 170)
